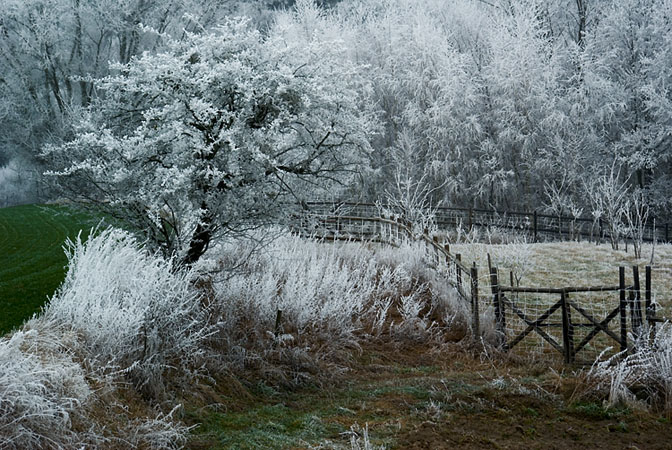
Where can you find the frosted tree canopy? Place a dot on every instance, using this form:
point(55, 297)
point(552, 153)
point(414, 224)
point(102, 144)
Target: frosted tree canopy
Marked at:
point(216, 134)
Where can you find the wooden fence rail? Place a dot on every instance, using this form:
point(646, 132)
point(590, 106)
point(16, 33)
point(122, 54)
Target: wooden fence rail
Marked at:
point(569, 311)
point(537, 225)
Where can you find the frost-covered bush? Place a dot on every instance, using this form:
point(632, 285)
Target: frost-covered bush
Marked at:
point(122, 313)
point(409, 254)
point(323, 294)
point(135, 314)
point(646, 374)
point(42, 389)
point(50, 398)
point(332, 297)
point(162, 431)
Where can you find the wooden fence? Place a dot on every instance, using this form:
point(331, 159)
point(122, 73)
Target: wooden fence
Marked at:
point(537, 226)
point(572, 310)
point(571, 323)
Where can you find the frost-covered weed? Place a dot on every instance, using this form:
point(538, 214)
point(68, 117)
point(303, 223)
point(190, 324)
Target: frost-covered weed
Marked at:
point(331, 296)
point(412, 256)
point(648, 370)
point(49, 398)
point(324, 297)
point(359, 438)
point(41, 390)
point(312, 285)
point(134, 313)
point(160, 432)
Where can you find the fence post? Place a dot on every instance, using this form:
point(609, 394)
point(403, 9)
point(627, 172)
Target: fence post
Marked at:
point(650, 306)
point(396, 229)
point(667, 229)
point(636, 305)
point(278, 324)
point(458, 273)
point(567, 329)
point(500, 324)
point(471, 218)
point(622, 308)
point(534, 223)
point(476, 326)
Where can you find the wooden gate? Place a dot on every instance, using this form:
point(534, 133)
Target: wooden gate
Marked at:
point(570, 319)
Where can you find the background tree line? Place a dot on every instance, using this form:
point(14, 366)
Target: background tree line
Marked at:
point(525, 104)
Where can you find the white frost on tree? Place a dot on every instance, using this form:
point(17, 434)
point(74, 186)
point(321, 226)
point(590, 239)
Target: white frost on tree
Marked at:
point(217, 134)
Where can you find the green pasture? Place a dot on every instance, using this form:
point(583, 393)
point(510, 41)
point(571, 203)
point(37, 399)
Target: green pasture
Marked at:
point(32, 259)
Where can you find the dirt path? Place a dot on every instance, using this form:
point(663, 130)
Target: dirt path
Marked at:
point(421, 398)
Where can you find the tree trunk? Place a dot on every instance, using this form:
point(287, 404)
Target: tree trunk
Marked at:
point(200, 241)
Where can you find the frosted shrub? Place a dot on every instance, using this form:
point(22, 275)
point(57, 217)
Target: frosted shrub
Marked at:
point(135, 314)
point(160, 432)
point(321, 294)
point(411, 256)
point(648, 369)
point(331, 297)
point(49, 399)
point(41, 389)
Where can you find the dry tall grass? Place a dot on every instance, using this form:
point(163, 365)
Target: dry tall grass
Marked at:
point(126, 326)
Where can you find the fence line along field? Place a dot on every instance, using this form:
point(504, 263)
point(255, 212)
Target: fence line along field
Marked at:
point(573, 264)
point(32, 260)
point(606, 312)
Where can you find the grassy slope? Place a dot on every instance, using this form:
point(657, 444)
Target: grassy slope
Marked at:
point(32, 260)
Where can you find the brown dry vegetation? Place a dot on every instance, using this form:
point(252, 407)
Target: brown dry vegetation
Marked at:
point(425, 397)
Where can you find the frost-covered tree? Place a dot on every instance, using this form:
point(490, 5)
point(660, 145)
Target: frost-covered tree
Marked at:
point(218, 134)
point(474, 89)
point(51, 50)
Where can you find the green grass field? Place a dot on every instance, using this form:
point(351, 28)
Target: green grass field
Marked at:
point(32, 260)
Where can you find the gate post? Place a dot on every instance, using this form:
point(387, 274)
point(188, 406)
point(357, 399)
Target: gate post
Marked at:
point(567, 328)
point(650, 306)
point(500, 321)
point(476, 326)
point(622, 308)
point(636, 304)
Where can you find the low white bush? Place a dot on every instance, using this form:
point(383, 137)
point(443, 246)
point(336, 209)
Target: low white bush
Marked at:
point(121, 313)
point(135, 314)
point(323, 295)
point(332, 296)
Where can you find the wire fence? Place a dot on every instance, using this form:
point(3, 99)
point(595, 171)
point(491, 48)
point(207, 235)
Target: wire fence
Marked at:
point(577, 322)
